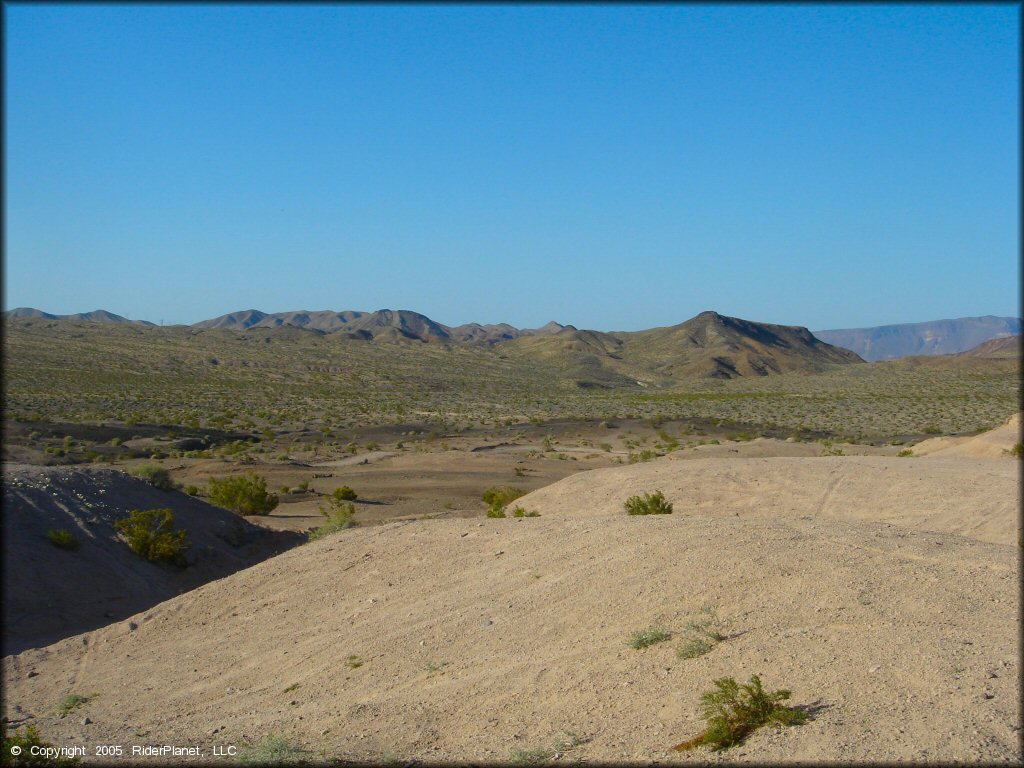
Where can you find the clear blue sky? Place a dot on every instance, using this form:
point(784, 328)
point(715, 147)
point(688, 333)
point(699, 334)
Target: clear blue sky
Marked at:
point(616, 167)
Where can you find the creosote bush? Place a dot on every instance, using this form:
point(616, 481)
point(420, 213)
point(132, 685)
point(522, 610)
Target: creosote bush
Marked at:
point(339, 516)
point(64, 539)
point(155, 475)
point(243, 494)
point(18, 749)
point(648, 504)
point(151, 534)
point(501, 495)
point(733, 711)
point(344, 493)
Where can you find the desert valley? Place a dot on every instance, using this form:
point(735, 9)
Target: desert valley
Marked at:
point(388, 540)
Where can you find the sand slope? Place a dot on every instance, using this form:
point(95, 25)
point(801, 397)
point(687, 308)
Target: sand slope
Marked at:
point(477, 637)
point(994, 444)
point(50, 593)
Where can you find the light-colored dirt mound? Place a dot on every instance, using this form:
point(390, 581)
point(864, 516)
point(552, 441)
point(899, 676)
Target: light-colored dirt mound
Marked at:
point(465, 639)
point(50, 593)
point(962, 496)
point(994, 444)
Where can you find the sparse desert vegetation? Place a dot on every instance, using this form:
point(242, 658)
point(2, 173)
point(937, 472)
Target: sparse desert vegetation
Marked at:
point(405, 444)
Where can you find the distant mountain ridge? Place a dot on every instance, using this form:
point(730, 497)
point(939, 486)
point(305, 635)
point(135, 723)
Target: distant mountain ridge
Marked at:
point(935, 337)
point(96, 316)
point(708, 345)
point(384, 323)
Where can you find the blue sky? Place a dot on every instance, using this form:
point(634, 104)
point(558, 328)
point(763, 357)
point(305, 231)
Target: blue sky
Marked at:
point(617, 167)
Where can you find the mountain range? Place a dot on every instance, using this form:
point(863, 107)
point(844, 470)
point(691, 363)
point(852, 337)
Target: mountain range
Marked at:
point(708, 345)
point(936, 337)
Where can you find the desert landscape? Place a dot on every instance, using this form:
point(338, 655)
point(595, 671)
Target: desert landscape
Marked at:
point(441, 567)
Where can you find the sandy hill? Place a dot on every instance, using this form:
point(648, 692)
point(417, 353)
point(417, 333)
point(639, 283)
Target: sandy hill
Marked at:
point(994, 444)
point(50, 593)
point(935, 337)
point(883, 592)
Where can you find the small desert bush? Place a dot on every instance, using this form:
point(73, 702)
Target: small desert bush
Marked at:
point(151, 534)
point(541, 755)
point(344, 493)
point(1017, 451)
point(701, 636)
point(520, 512)
point(648, 504)
point(273, 750)
point(496, 512)
point(644, 638)
point(694, 646)
point(905, 452)
point(339, 516)
point(71, 702)
point(192, 490)
point(18, 749)
point(501, 495)
point(156, 476)
point(733, 711)
point(64, 539)
point(243, 494)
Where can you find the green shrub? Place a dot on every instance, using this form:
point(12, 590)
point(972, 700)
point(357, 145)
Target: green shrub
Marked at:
point(339, 516)
point(1017, 451)
point(155, 475)
point(70, 702)
point(18, 749)
point(931, 429)
point(344, 493)
point(648, 504)
point(243, 494)
point(733, 711)
point(64, 539)
point(192, 490)
point(151, 534)
point(520, 512)
point(905, 452)
point(644, 638)
point(501, 495)
point(694, 646)
point(701, 636)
